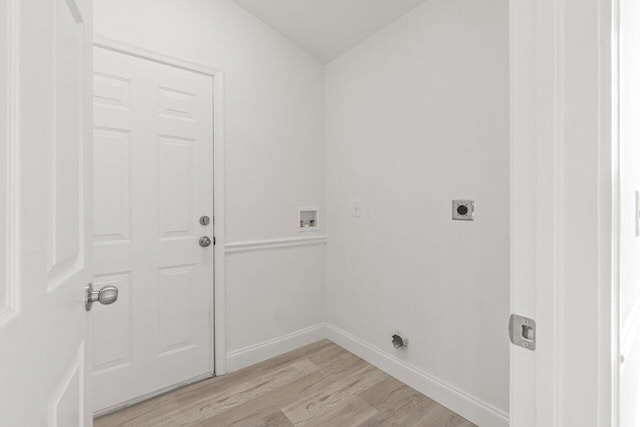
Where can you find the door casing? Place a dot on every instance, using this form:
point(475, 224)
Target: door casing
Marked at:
point(563, 218)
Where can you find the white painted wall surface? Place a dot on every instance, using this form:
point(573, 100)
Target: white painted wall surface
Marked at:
point(406, 112)
point(274, 162)
point(417, 115)
point(629, 184)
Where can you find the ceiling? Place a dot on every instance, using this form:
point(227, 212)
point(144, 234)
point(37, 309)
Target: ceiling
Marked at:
point(328, 28)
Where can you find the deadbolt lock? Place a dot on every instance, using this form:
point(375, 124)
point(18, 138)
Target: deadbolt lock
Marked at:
point(205, 220)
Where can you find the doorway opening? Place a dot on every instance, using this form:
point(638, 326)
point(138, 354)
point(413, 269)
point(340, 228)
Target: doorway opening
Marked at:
point(154, 222)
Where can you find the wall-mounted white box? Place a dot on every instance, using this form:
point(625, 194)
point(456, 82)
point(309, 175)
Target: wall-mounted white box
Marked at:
point(308, 219)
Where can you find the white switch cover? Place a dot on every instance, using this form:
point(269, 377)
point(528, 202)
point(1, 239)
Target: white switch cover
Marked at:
point(356, 209)
point(637, 213)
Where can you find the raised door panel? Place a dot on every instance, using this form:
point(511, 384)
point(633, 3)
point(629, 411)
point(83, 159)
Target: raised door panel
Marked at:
point(174, 309)
point(112, 185)
point(65, 181)
point(112, 91)
point(66, 406)
point(113, 328)
point(174, 103)
point(176, 187)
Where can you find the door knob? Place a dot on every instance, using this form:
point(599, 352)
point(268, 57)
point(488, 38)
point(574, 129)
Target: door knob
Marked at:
point(205, 241)
point(106, 295)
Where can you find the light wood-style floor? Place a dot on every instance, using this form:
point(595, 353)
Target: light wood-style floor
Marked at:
point(318, 385)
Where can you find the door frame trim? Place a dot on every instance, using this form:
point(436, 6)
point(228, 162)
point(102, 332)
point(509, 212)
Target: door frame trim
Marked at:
point(611, 389)
point(547, 105)
point(219, 286)
point(10, 217)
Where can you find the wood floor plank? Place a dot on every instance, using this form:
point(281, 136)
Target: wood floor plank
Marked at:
point(210, 405)
point(332, 361)
point(397, 404)
point(320, 385)
point(304, 410)
point(137, 414)
point(301, 388)
point(442, 417)
point(250, 413)
point(350, 412)
point(276, 419)
point(166, 403)
point(260, 369)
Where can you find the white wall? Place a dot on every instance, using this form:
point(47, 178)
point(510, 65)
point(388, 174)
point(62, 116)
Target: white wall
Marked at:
point(416, 116)
point(274, 108)
point(629, 184)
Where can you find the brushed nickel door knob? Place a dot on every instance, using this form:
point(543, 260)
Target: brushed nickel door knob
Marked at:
point(105, 296)
point(205, 241)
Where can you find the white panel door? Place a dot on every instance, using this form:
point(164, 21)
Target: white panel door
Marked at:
point(629, 309)
point(45, 208)
point(153, 180)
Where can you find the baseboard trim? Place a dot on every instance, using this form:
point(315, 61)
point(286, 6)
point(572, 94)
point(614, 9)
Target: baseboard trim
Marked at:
point(471, 408)
point(474, 410)
point(266, 350)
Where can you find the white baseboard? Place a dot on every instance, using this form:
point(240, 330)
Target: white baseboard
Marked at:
point(474, 410)
point(266, 350)
point(471, 408)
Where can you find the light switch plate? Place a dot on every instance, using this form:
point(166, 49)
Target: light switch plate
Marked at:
point(356, 209)
point(462, 210)
point(637, 213)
